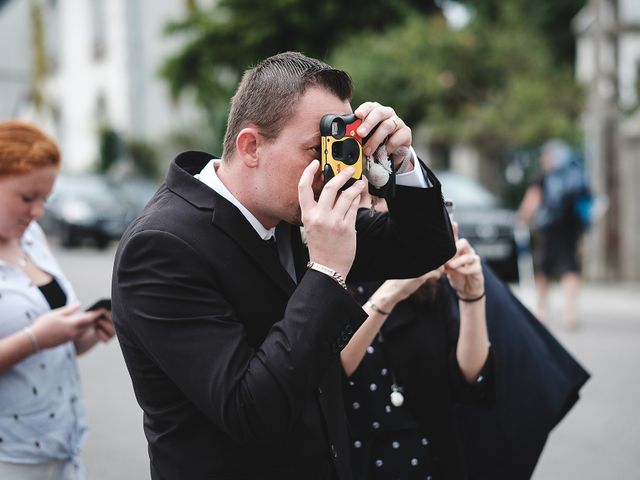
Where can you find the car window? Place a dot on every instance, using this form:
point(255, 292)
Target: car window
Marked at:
point(465, 192)
point(91, 187)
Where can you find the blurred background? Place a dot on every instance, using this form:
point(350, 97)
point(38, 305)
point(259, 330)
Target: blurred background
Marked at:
point(124, 85)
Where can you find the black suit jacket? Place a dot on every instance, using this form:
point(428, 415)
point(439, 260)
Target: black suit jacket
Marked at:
point(234, 365)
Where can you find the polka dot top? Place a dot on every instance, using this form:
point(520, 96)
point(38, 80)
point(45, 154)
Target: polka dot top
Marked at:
point(42, 416)
point(386, 441)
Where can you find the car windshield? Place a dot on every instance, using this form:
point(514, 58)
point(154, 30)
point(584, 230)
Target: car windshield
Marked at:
point(88, 186)
point(465, 192)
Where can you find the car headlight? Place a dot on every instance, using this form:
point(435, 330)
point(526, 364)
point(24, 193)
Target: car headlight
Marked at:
point(77, 212)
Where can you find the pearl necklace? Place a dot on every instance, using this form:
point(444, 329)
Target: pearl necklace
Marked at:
point(396, 396)
point(397, 399)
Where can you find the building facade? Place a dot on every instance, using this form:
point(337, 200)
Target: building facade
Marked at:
point(608, 65)
point(102, 62)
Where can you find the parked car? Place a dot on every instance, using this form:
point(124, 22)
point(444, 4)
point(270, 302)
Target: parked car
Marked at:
point(86, 207)
point(481, 220)
point(137, 191)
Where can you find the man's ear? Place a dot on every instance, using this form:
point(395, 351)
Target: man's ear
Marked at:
point(247, 146)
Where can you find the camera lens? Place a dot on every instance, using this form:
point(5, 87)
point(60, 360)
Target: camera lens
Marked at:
point(347, 151)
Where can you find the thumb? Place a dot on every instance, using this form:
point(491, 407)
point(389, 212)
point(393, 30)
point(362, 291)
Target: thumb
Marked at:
point(68, 309)
point(455, 231)
point(86, 319)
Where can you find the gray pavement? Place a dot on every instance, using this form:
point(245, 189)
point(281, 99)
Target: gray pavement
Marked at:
point(599, 439)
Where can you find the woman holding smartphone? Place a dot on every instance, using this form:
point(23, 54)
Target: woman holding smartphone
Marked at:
point(42, 420)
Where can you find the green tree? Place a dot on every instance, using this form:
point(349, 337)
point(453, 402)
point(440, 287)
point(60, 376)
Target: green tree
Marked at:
point(111, 148)
point(552, 18)
point(221, 41)
point(494, 86)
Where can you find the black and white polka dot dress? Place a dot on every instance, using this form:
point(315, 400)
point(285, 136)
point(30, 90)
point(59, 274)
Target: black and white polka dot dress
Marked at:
point(386, 441)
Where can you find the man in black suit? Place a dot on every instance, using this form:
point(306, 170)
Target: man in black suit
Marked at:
point(233, 342)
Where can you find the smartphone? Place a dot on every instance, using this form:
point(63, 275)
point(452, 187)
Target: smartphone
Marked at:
point(341, 146)
point(102, 303)
point(448, 205)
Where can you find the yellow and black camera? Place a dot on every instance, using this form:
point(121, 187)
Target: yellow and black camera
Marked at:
point(341, 146)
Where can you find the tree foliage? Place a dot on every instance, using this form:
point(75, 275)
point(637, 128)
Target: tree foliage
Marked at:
point(225, 39)
point(499, 82)
point(491, 86)
point(553, 18)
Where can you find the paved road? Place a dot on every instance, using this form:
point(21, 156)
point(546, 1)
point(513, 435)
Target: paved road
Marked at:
point(599, 439)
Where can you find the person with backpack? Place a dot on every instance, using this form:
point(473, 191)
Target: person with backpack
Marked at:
point(557, 205)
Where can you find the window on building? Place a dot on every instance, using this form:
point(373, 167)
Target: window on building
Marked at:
point(99, 23)
point(52, 35)
point(101, 109)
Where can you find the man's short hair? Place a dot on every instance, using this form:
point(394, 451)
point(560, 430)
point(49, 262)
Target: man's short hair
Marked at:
point(269, 92)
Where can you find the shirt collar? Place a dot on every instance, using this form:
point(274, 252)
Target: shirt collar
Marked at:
point(209, 177)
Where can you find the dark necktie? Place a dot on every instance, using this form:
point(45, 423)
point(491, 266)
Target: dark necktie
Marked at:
point(284, 260)
point(273, 247)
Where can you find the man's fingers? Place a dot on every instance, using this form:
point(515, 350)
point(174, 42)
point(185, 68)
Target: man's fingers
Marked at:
point(352, 212)
point(332, 187)
point(399, 138)
point(305, 186)
point(383, 126)
point(347, 197)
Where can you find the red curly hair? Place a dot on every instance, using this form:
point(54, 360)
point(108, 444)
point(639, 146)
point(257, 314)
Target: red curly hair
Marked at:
point(25, 148)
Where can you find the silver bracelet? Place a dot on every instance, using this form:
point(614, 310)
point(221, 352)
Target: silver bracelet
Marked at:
point(328, 271)
point(375, 308)
point(32, 337)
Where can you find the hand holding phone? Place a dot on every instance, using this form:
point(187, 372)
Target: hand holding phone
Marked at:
point(102, 303)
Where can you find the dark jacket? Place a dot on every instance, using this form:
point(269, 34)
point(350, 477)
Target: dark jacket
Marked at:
point(235, 367)
point(537, 383)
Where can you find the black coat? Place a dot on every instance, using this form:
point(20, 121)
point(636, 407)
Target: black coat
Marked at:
point(536, 385)
point(234, 365)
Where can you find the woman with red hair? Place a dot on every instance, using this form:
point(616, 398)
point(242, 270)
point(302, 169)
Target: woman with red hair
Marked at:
point(42, 421)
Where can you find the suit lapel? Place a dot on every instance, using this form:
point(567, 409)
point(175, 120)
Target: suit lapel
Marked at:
point(229, 219)
point(226, 216)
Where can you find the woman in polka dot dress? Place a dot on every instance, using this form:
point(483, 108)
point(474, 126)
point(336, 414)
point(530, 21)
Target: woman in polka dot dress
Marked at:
point(408, 365)
point(42, 420)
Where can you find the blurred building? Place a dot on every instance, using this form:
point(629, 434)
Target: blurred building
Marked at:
point(15, 57)
point(101, 59)
point(608, 65)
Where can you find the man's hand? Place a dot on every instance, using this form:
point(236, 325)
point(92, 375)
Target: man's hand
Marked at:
point(330, 223)
point(390, 127)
